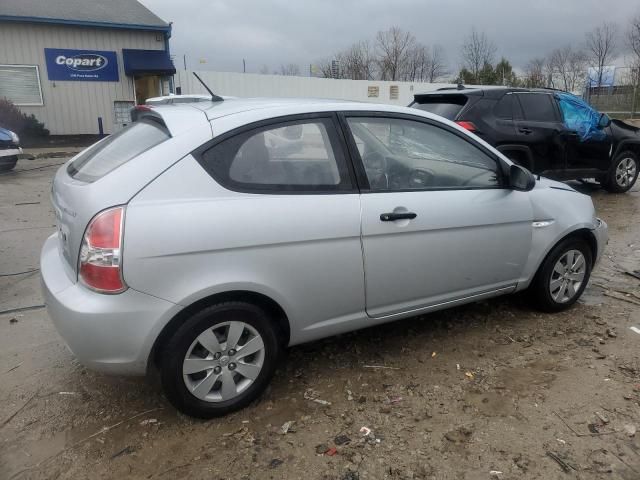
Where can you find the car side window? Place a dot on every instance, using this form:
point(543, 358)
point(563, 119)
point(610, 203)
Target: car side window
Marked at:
point(401, 154)
point(302, 155)
point(504, 107)
point(538, 107)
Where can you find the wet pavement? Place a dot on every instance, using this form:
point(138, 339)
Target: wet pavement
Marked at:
point(492, 390)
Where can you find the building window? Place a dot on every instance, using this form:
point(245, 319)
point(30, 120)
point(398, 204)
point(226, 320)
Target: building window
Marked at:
point(373, 91)
point(394, 92)
point(21, 85)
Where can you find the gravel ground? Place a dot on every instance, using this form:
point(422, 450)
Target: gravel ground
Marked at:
point(492, 390)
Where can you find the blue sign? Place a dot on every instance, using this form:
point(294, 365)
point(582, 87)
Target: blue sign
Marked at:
point(602, 78)
point(81, 65)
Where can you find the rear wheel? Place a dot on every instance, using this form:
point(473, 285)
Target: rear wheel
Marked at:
point(8, 163)
point(623, 173)
point(562, 277)
point(220, 359)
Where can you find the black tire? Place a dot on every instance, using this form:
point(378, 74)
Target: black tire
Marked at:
point(8, 163)
point(612, 182)
point(173, 355)
point(539, 290)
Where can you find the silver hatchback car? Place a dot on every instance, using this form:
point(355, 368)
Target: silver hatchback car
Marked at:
point(204, 239)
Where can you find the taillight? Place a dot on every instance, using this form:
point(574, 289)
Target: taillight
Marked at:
point(100, 264)
point(467, 125)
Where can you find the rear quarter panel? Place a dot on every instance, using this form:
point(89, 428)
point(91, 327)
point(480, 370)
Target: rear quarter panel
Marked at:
point(75, 202)
point(187, 238)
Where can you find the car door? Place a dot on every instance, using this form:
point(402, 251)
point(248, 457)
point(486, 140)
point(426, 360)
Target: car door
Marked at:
point(540, 128)
point(586, 148)
point(278, 214)
point(438, 224)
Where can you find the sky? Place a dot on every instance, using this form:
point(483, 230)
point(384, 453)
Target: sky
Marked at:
point(221, 33)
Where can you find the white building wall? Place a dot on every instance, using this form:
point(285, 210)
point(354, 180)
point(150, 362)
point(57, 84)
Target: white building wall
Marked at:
point(72, 107)
point(254, 85)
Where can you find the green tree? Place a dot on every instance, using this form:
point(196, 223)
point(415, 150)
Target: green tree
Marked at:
point(504, 74)
point(487, 75)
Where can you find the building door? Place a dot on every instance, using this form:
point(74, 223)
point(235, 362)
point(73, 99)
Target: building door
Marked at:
point(147, 86)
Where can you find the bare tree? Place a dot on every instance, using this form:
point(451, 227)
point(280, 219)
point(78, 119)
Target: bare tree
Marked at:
point(633, 41)
point(415, 68)
point(393, 47)
point(264, 70)
point(601, 48)
point(477, 51)
point(324, 68)
point(633, 37)
point(567, 66)
point(535, 73)
point(358, 61)
point(424, 63)
point(437, 65)
point(290, 70)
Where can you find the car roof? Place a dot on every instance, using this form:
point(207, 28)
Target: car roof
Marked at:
point(273, 107)
point(491, 91)
point(235, 112)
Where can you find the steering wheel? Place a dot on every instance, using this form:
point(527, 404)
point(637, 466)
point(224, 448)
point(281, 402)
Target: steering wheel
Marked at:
point(420, 178)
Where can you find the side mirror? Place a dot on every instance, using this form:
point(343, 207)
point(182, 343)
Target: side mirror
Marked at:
point(521, 179)
point(604, 121)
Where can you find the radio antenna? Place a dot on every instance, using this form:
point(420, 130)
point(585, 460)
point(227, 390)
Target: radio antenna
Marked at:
point(214, 97)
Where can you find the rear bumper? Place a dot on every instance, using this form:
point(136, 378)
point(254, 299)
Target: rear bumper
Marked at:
point(601, 232)
point(109, 333)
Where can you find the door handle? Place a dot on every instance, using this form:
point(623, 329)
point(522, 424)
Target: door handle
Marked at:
point(525, 130)
point(392, 217)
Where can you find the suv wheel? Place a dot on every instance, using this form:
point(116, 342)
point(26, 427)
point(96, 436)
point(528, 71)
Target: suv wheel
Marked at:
point(220, 359)
point(8, 163)
point(623, 173)
point(562, 277)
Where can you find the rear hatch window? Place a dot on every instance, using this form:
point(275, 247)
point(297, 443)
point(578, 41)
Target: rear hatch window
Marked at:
point(447, 106)
point(117, 149)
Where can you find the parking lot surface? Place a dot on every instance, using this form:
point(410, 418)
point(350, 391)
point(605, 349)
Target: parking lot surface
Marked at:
point(490, 390)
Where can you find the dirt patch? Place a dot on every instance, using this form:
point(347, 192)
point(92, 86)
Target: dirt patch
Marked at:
point(492, 390)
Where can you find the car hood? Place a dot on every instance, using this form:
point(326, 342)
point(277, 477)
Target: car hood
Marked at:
point(623, 129)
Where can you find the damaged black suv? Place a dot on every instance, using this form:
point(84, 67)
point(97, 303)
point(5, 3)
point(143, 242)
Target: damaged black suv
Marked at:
point(550, 132)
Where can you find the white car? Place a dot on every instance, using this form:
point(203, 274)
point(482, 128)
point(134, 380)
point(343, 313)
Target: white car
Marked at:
point(205, 238)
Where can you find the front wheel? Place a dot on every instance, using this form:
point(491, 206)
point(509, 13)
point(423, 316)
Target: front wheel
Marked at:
point(562, 277)
point(623, 173)
point(220, 359)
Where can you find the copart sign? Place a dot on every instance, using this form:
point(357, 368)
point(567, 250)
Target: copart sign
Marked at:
point(81, 65)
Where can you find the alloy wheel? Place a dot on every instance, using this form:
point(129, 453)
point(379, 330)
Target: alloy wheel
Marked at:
point(223, 361)
point(567, 276)
point(626, 172)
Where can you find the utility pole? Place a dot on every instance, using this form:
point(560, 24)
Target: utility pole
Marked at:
point(184, 58)
point(244, 66)
point(635, 75)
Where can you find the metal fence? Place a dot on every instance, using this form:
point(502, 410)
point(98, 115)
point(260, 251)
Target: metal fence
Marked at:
point(621, 100)
point(254, 85)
